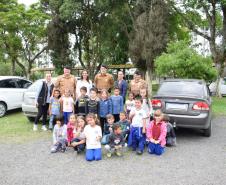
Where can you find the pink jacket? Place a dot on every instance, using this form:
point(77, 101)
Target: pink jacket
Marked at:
point(70, 129)
point(162, 137)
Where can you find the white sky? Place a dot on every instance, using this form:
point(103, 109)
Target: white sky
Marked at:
point(27, 2)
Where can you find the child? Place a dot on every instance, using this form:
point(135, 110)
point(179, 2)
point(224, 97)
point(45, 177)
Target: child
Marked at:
point(79, 137)
point(59, 136)
point(72, 124)
point(130, 103)
point(81, 103)
point(116, 142)
point(124, 124)
point(93, 103)
point(108, 129)
point(146, 104)
point(156, 134)
point(105, 107)
point(93, 136)
point(170, 134)
point(138, 124)
point(68, 105)
point(54, 107)
point(117, 103)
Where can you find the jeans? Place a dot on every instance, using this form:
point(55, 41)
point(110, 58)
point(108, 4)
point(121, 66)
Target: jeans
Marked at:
point(51, 119)
point(60, 145)
point(80, 147)
point(42, 112)
point(66, 117)
point(155, 148)
point(105, 139)
point(93, 154)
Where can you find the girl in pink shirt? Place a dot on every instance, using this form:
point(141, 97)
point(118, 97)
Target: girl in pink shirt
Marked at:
point(156, 134)
point(71, 126)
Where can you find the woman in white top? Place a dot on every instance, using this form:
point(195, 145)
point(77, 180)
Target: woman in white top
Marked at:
point(83, 82)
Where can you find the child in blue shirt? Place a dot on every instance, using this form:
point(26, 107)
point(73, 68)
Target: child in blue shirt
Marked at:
point(117, 103)
point(105, 107)
point(124, 124)
point(54, 107)
point(108, 129)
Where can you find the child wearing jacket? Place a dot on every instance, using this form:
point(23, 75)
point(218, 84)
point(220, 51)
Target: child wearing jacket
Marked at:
point(81, 103)
point(156, 134)
point(117, 104)
point(170, 134)
point(105, 107)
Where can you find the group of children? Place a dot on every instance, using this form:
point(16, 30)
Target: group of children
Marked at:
point(93, 121)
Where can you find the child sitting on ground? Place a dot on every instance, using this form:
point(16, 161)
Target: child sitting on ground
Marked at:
point(124, 124)
point(59, 136)
point(116, 142)
point(170, 134)
point(81, 103)
point(78, 143)
point(93, 136)
point(108, 129)
point(72, 124)
point(137, 137)
point(156, 134)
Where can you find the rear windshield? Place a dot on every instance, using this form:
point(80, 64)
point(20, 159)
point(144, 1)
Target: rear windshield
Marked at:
point(194, 89)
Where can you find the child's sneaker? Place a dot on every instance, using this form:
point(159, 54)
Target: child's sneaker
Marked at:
point(35, 127)
point(118, 153)
point(63, 150)
point(44, 128)
point(53, 150)
point(109, 154)
point(139, 152)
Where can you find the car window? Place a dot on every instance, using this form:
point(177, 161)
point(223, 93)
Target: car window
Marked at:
point(8, 83)
point(34, 86)
point(182, 88)
point(23, 83)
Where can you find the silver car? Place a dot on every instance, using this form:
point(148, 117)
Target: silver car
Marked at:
point(11, 92)
point(187, 102)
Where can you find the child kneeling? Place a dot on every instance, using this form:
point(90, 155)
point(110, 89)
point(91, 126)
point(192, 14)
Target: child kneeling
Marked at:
point(59, 136)
point(156, 134)
point(116, 142)
point(93, 135)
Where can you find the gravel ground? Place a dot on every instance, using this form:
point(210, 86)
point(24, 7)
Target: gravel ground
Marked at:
point(195, 160)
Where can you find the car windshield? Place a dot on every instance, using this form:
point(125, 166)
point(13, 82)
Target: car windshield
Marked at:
point(182, 88)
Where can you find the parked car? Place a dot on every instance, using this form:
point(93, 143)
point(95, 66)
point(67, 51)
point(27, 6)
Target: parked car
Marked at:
point(222, 87)
point(11, 92)
point(187, 102)
point(28, 106)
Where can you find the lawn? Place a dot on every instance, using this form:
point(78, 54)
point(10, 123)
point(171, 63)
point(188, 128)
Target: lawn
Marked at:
point(16, 128)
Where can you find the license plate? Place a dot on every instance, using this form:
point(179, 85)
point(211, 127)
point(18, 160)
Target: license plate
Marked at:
point(176, 106)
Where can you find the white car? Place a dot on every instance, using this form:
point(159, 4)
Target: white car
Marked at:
point(222, 87)
point(11, 92)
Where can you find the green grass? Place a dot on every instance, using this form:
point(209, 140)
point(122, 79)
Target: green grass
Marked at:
point(219, 106)
point(15, 127)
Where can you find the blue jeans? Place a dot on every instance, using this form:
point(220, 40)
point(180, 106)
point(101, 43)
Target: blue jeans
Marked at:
point(66, 117)
point(105, 139)
point(93, 154)
point(136, 139)
point(155, 148)
point(52, 117)
point(80, 147)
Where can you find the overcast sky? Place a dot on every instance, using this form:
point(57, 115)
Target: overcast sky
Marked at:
point(27, 2)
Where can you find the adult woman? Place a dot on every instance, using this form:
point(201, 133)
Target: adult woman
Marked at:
point(83, 82)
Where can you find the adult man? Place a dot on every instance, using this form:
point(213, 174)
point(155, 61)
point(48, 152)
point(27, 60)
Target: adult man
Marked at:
point(104, 80)
point(42, 100)
point(66, 81)
point(122, 84)
point(137, 83)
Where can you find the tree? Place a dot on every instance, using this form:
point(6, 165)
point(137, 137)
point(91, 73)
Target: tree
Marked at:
point(181, 61)
point(207, 18)
point(149, 36)
point(23, 34)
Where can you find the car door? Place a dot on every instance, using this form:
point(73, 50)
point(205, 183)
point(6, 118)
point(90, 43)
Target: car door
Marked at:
point(9, 95)
point(22, 86)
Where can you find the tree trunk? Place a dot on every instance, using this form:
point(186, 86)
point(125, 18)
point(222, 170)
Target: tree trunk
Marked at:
point(149, 77)
point(13, 67)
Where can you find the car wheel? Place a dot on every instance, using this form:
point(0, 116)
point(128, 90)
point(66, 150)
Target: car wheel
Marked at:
point(207, 132)
point(31, 119)
point(3, 109)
